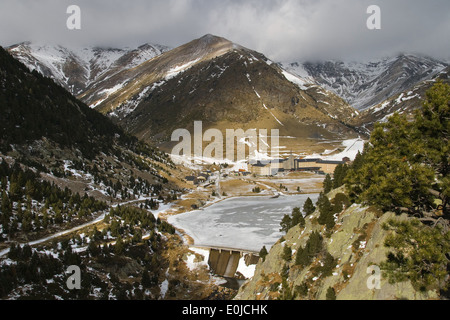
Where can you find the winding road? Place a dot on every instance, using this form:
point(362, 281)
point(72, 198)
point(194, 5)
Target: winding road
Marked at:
point(100, 218)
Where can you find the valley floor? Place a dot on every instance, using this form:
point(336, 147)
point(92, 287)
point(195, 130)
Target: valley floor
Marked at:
point(203, 283)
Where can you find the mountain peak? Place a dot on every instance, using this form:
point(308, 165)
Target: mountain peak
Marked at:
point(212, 41)
point(209, 36)
point(204, 48)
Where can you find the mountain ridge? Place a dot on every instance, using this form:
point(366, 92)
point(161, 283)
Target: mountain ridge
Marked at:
point(223, 84)
point(77, 69)
point(405, 102)
point(366, 84)
point(298, 107)
point(135, 88)
point(85, 72)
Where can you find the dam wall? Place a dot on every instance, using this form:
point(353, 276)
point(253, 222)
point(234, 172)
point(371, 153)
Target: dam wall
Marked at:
point(224, 262)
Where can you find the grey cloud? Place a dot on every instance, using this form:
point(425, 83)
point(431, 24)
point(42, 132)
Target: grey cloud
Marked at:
point(284, 30)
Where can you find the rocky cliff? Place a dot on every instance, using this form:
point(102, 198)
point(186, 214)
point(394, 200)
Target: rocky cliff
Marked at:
point(356, 246)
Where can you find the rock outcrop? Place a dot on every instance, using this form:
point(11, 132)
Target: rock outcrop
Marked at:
point(357, 245)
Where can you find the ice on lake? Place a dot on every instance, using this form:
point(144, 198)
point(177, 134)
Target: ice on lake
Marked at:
point(247, 223)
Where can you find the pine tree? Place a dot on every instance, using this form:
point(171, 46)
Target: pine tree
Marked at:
point(26, 252)
point(93, 249)
point(14, 251)
point(59, 217)
point(45, 219)
point(263, 253)
point(320, 200)
point(146, 281)
point(433, 147)
point(297, 218)
point(302, 289)
point(340, 201)
point(96, 235)
point(417, 253)
point(405, 165)
point(331, 294)
point(119, 246)
point(287, 253)
point(15, 190)
point(313, 246)
point(327, 184)
point(329, 263)
point(301, 257)
point(388, 178)
point(339, 175)
point(115, 228)
point(6, 205)
point(359, 160)
point(308, 207)
point(27, 224)
point(137, 236)
point(315, 243)
point(286, 292)
point(290, 221)
point(330, 222)
point(326, 216)
point(432, 123)
point(286, 223)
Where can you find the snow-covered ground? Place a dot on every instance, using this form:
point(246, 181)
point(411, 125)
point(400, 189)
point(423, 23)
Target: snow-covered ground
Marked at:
point(195, 163)
point(192, 263)
point(247, 271)
point(302, 83)
point(247, 223)
point(352, 147)
point(172, 73)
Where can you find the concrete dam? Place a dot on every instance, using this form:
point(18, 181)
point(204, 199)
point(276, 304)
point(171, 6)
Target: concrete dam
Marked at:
point(224, 262)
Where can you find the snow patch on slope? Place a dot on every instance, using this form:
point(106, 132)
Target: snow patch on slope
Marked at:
point(301, 83)
point(352, 147)
point(172, 73)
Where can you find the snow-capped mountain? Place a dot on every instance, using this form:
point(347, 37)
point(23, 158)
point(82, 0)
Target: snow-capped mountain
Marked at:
point(405, 102)
point(116, 81)
point(364, 85)
point(128, 87)
point(152, 90)
point(77, 69)
point(223, 84)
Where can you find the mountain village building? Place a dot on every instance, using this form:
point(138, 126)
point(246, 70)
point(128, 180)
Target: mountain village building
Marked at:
point(272, 167)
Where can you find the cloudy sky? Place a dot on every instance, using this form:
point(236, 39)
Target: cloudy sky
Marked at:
point(284, 30)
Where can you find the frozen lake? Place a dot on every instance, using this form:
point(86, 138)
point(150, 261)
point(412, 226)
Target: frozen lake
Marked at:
point(247, 223)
